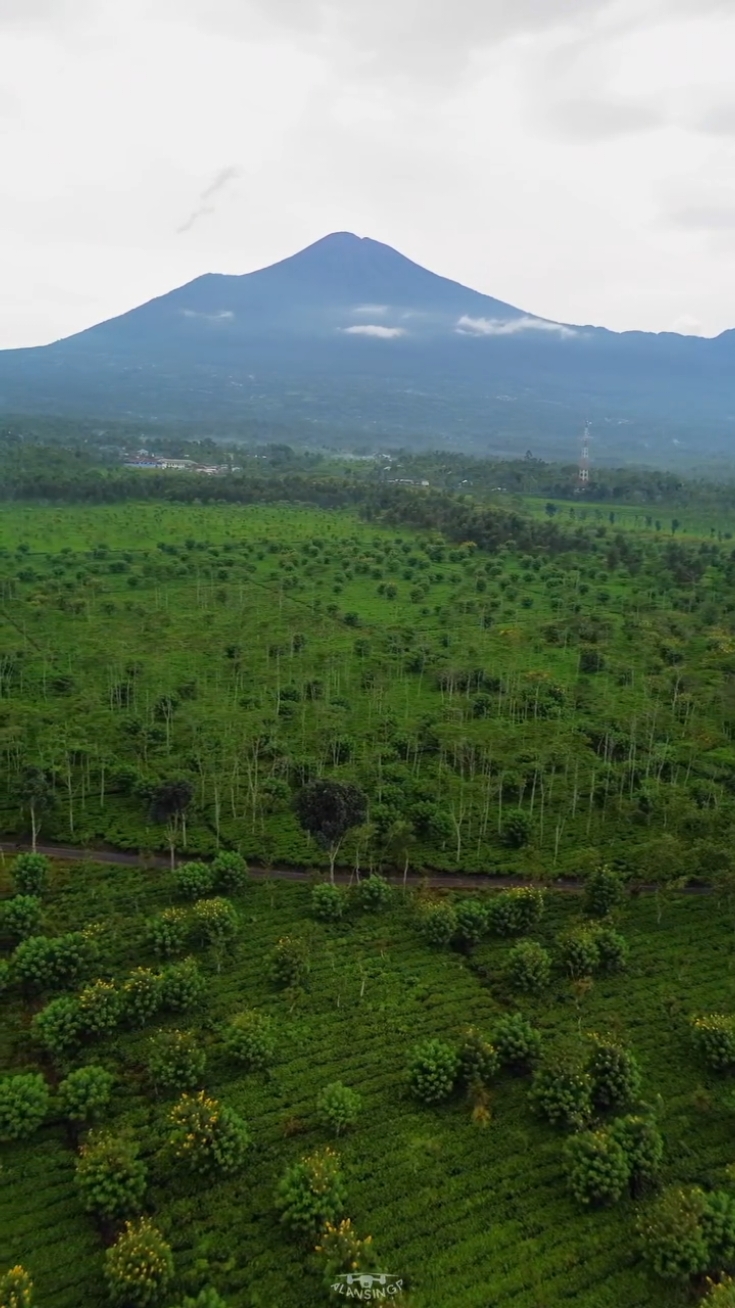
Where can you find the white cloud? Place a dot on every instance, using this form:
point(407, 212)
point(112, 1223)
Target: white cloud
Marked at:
point(687, 325)
point(372, 309)
point(223, 315)
point(375, 329)
point(467, 326)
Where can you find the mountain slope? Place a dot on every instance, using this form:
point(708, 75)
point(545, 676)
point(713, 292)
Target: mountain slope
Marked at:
point(350, 337)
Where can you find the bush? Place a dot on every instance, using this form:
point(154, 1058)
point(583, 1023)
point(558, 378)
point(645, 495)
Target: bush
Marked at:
point(215, 921)
point(328, 902)
point(596, 1166)
point(22, 916)
point(183, 986)
point(142, 995)
point(58, 1026)
point(471, 916)
point(714, 1040)
point(100, 1007)
point(24, 1101)
point(16, 1288)
point(139, 1266)
point(250, 1039)
point(529, 967)
point(604, 891)
point(580, 952)
point(439, 922)
point(562, 1093)
point(612, 949)
point(672, 1237)
point(373, 893)
point(643, 1146)
point(230, 872)
point(85, 1093)
point(311, 1193)
point(517, 1042)
point(289, 963)
point(43, 962)
point(338, 1106)
point(110, 1177)
point(208, 1136)
point(433, 1071)
point(194, 880)
point(30, 873)
point(175, 1060)
point(615, 1075)
point(478, 1058)
point(167, 932)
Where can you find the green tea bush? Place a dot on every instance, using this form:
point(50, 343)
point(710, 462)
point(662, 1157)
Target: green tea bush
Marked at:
point(529, 967)
point(230, 873)
point(562, 1093)
point(168, 932)
point(612, 949)
point(643, 1145)
point(194, 880)
point(596, 1166)
point(289, 962)
point(176, 1061)
point(603, 892)
point(373, 893)
point(518, 1042)
point(22, 916)
point(338, 1107)
point(714, 1039)
point(433, 1071)
point(328, 902)
point(615, 1075)
point(85, 1093)
point(208, 1136)
point(471, 916)
point(479, 1060)
point(142, 995)
point(110, 1177)
point(183, 986)
point(16, 1288)
point(24, 1101)
point(30, 873)
point(439, 922)
point(58, 1026)
point(580, 953)
point(139, 1266)
point(671, 1234)
point(215, 921)
point(249, 1038)
point(100, 1007)
point(311, 1193)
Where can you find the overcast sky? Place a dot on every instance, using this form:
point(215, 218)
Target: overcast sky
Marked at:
point(573, 157)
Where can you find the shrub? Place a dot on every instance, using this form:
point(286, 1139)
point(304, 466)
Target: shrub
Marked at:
point(22, 916)
point(183, 986)
point(328, 902)
point(517, 1042)
point(439, 922)
point(85, 1093)
point(615, 1075)
point(208, 1136)
point(604, 891)
point(373, 893)
point(580, 952)
point(338, 1106)
point(194, 880)
point(562, 1093)
point(250, 1039)
point(175, 1060)
point(139, 1266)
point(16, 1288)
point(100, 1007)
point(612, 949)
point(529, 967)
point(714, 1040)
point(289, 963)
point(215, 921)
point(110, 1177)
point(24, 1101)
point(167, 932)
point(30, 873)
point(641, 1141)
point(142, 995)
point(596, 1166)
point(433, 1071)
point(58, 1026)
point(672, 1237)
point(478, 1058)
point(311, 1193)
point(471, 917)
point(230, 872)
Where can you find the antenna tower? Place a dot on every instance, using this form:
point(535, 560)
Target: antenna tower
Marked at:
point(584, 459)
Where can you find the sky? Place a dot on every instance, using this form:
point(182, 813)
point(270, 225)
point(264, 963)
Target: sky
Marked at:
point(575, 158)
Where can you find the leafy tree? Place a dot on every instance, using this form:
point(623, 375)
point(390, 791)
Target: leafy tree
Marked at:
point(176, 1060)
point(24, 1101)
point(194, 880)
point(30, 873)
point(34, 792)
point(16, 1288)
point(643, 1146)
point(110, 1177)
point(142, 995)
point(343, 1251)
point(433, 1071)
point(604, 892)
point(562, 1092)
point(373, 893)
point(139, 1266)
point(85, 1093)
point(289, 963)
point(249, 1038)
point(529, 967)
point(42, 962)
point(100, 1007)
point(615, 1075)
point(513, 911)
point(518, 1043)
point(517, 829)
point(208, 1136)
point(580, 952)
point(207, 1298)
point(672, 1235)
point(721, 1294)
point(471, 925)
point(169, 803)
point(167, 932)
point(328, 902)
point(311, 1193)
point(612, 949)
point(215, 921)
point(714, 1039)
point(58, 1026)
point(230, 872)
point(22, 916)
point(338, 1106)
point(327, 810)
point(439, 922)
point(184, 987)
point(596, 1166)
point(399, 841)
point(478, 1058)
point(528, 905)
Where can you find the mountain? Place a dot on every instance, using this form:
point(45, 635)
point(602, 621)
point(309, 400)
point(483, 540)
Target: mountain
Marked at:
point(349, 339)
